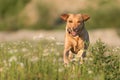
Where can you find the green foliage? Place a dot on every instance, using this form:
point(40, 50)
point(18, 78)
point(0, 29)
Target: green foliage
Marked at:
point(42, 60)
point(105, 61)
point(9, 10)
point(11, 7)
point(104, 15)
point(104, 18)
point(45, 20)
point(44, 16)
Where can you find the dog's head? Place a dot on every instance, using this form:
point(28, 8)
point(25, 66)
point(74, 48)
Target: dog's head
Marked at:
point(75, 22)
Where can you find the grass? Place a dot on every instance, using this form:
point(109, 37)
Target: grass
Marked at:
point(42, 60)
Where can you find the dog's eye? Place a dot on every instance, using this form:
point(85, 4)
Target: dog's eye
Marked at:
point(78, 21)
point(70, 21)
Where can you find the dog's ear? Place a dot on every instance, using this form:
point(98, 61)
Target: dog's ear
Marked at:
point(64, 17)
point(85, 17)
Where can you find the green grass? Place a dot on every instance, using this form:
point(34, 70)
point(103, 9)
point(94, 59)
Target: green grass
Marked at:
point(42, 60)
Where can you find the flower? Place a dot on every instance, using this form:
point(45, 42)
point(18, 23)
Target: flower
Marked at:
point(61, 69)
point(34, 59)
point(21, 64)
point(45, 54)
point(59, 43)
point(5, 63)
point(40, 36)
point(13, 58)
point(51, 38)
point(90, 72)
point(1, 69)
point(12, 51)
point(24, 49)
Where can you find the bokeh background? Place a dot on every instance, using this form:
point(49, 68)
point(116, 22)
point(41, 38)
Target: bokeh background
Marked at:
point(20, 19)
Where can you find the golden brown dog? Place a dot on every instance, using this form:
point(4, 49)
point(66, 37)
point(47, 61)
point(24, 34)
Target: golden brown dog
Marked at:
point(76, 38)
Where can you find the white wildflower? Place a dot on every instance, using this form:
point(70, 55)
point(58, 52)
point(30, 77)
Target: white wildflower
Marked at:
point(52, 49)
point(1, 69)
point(24, 49)
point(40, 36)
point(59, 43)
point(15, 50)
point(12, 51)
point(45, 50)
point(90, 72)
point(60, 59)
point(21, 64)
point(85, 58)
point(27, 54)
point(61, 69)
point(45, 54)
point(51, 38)
point(5, 63)
point(13, 58)
point(57, 54)
point(54, 60)
point(9, 64)
point(73, 76)
point(118, 47)
point(114, 50)
point(34, 59)
point(2, 45)
point(74, 60)
point(91, 59)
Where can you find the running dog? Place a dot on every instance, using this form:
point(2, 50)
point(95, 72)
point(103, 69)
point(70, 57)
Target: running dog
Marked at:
point(76, 37)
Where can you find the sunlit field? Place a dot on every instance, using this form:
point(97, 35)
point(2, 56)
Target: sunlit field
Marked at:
point(42, 60)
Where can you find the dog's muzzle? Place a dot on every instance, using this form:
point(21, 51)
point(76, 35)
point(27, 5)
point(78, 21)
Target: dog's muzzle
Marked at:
point(75, 31)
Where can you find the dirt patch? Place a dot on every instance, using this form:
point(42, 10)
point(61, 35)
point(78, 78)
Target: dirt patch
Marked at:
point(109, 36)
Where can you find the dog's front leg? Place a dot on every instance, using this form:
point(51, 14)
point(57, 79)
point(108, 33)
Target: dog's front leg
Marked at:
point(80, 55)
point(65, 56)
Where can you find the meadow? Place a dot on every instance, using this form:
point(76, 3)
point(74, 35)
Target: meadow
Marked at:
point(42, 60)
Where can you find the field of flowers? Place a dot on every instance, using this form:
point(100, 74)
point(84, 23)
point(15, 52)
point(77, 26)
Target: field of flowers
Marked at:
point(42, 60)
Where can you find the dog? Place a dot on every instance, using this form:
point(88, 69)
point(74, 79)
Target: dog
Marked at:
point(76, 37)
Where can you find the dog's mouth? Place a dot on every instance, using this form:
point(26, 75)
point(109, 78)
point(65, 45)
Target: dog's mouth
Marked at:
point(73, 32)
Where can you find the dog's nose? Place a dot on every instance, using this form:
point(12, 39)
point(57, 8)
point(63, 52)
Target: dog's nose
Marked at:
point(75, 29)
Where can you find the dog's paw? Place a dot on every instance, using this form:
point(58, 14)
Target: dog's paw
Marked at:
point(66, 65)
point(81, 62)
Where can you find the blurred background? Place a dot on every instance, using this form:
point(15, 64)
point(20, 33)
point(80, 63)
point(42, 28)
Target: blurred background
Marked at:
point(28, 19)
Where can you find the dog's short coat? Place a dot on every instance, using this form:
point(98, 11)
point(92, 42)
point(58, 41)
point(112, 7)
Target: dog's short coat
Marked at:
point(76, 37)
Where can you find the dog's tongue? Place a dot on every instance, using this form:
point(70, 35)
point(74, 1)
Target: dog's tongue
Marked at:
point(73, 33)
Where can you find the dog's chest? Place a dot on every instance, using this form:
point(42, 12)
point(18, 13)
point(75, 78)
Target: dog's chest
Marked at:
point(77, 44)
